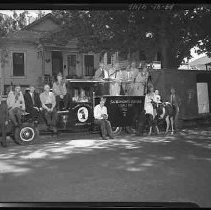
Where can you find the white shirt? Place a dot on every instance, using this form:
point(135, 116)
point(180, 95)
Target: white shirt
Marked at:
point(148, 105)
point(98, 111)
point(13, 103)
point(106, 74)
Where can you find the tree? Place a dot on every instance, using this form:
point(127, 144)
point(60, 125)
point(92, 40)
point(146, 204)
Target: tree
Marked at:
point(172, 32)
point(40, 14)
point(9, 24)
point(12, 23)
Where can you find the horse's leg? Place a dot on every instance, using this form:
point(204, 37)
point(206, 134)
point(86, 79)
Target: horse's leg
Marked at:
point(150, 130)
point(162, 115)
point(172, 125)
point(157, 129)
point(156, 124)
point(167, 124)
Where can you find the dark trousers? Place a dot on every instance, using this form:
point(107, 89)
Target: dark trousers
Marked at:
point(62, 103)
point(105, 127)
point(15, 115)
point(34, 113)
point(50, 117)
point(175, 114)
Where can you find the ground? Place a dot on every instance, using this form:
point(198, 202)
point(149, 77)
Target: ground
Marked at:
point(127, 169)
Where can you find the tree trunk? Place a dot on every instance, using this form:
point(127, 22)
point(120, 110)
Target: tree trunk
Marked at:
point(168, 58)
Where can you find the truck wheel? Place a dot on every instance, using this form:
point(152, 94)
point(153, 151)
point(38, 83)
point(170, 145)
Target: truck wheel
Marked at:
point(26, 134)
point(116, 130)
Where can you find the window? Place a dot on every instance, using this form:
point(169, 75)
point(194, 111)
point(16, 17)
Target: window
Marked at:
point(18, 64)
point(109, 58)
point(89, 65)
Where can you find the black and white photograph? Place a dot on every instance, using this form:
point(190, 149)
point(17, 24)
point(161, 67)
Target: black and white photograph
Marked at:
point(105, 105)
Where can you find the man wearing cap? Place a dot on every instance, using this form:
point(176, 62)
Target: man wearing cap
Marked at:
point(48, 102)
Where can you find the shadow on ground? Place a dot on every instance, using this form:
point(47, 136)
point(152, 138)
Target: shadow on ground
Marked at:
point(135, 154)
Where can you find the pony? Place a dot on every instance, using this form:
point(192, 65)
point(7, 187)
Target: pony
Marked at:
point(165, 111)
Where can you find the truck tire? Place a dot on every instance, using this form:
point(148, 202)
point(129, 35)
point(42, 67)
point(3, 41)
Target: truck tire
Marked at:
point(25, 134)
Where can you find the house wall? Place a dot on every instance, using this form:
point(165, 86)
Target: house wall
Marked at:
point(33, 64)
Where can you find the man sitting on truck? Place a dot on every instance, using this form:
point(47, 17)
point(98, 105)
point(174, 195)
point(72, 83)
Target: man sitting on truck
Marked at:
point(48, 101)
point(16, 105)
point(33, 103)
point(101, 119)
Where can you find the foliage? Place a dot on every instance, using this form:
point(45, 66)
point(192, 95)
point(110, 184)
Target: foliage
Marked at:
point(12, 23)
point(173, 32)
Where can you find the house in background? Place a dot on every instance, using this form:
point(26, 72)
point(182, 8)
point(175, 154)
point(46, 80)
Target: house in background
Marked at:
point(203, 63)
point(30, 60)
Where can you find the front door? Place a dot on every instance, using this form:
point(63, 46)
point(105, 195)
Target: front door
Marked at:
point(57, 63)
point(71, 64)
point(89, 65)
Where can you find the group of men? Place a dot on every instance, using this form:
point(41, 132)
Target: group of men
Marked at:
point(131, 81)
point(46, 104)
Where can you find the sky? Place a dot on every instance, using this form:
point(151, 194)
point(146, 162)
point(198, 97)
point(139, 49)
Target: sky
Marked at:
point(33, 14)
point(195, 55)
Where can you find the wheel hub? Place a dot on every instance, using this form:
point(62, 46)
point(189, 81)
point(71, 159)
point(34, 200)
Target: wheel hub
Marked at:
point(27, 134)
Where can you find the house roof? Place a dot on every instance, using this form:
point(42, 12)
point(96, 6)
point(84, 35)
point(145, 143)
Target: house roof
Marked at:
point(33, 36)
point(201, 61)
point(38, 21)
point(28, 36)
point(44, 37)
